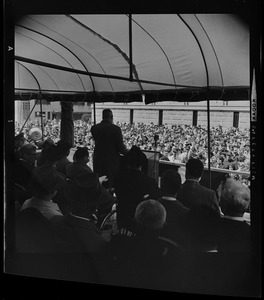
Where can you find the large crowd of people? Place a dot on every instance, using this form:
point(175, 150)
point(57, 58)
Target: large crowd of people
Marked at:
point(168, 237)
point(115, 224)
point(230, 148)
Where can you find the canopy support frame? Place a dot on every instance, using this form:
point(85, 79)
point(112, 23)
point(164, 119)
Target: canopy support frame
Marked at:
point(130, 49)
point(28, 116)
point(209, 138)
point(41, 117)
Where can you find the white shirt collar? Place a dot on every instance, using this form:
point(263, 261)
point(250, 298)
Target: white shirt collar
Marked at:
point(196, 180)
point(233, 218)
point(168, 198)
point(78, 217)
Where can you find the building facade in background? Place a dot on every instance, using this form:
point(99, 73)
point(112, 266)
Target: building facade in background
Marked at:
point(225, 113)
point(50, 110)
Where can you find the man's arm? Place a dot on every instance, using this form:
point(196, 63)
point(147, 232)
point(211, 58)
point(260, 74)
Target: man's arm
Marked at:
point(215, 204)
point(120, 143)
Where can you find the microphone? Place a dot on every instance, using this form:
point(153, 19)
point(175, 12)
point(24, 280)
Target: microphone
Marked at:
point(156, 137)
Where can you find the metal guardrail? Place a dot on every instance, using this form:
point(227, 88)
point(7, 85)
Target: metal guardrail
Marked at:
point(206, 168)
point(227, 171)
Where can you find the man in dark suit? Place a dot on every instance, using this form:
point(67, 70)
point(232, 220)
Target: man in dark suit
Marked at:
point(108, 147)
point(170, 185)
point(192, 193)
point(78, 167)
point(132, 186)
point(78, 228)
point(234, 202)
point(79, 164)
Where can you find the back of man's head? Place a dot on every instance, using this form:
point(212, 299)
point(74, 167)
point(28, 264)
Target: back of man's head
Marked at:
point(28, 152)
point(170, 183)
point(194, 168)
point(81, 153)
point(150, 217)
point(107, 114)
point(135, 157)
point(234, 198)
point(44, 181)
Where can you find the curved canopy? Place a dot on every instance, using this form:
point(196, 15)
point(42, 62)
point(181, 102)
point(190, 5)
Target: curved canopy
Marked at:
point(117, 58)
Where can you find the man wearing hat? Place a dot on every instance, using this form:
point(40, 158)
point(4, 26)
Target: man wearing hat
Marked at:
point(192, 192)
point(78, 229)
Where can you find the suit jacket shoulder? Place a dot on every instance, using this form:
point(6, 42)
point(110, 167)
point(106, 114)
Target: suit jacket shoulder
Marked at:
point(193, 193)
point(235, 236)
point(80, 235)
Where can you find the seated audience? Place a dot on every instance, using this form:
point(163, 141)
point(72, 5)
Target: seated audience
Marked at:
point(234, 202)
point(51, 154)
point(43, 185)
point(136, 258)
point(78, 167)
point(25, 164)
point(44, 146)
point(34, 233)
point(63, 162)
point(192, 192)
point(55, 154)
point(36, 246)
point(78, 228)
point(150, 218)
point(79, 164)
point(170, 185)
point(23, 167)
point(203, 268)
point(202, 227)
point(132, 186)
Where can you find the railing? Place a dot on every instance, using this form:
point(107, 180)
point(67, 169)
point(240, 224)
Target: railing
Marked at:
point(227, 171)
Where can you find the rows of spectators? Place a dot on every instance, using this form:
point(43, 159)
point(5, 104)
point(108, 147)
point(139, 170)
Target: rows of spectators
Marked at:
point(230, 148)
point(178, 236)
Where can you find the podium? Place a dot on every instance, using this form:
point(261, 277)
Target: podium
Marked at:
point(152, 166)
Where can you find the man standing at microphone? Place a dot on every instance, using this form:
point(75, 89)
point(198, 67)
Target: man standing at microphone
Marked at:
point(108, 147)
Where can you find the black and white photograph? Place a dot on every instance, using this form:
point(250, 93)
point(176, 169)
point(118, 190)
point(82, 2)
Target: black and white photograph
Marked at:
point(132, 148)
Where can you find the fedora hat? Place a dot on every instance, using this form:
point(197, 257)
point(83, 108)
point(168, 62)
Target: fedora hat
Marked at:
point(85, 189)
point(135, 157)
point(46, 178)
point(27, 149)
